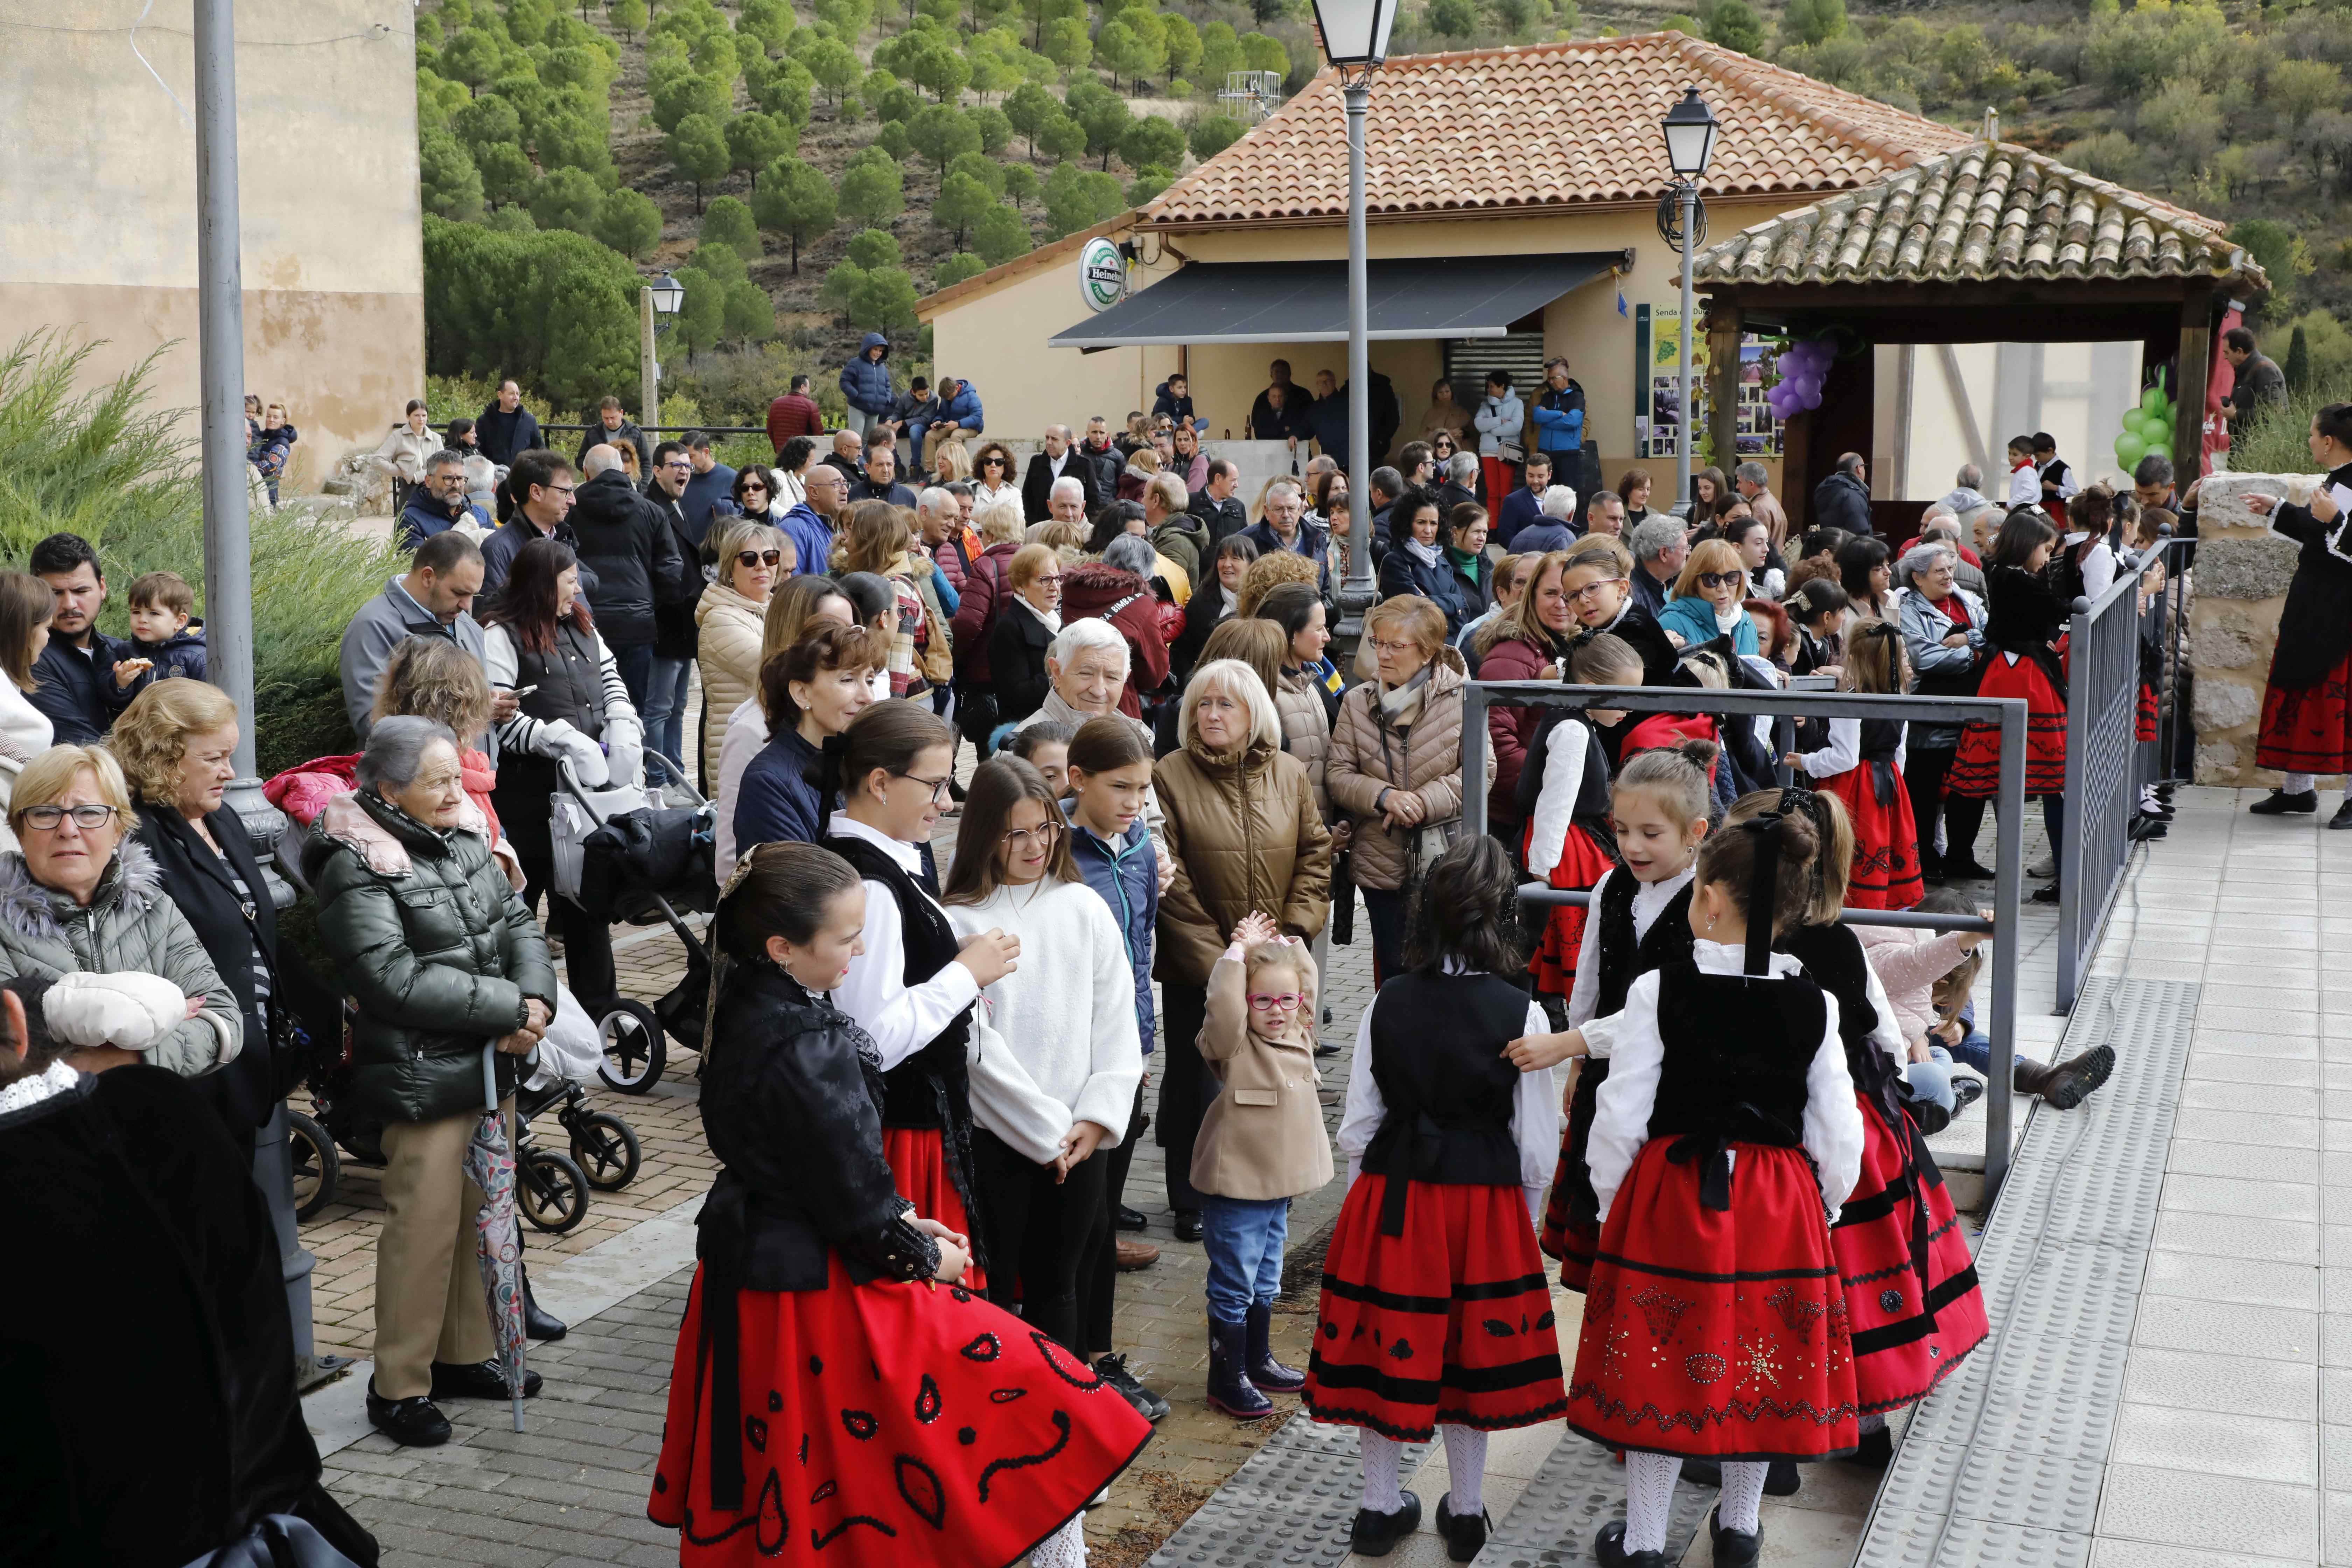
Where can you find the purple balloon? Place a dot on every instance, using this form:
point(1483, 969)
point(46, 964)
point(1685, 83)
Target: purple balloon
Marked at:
point(1813, 399)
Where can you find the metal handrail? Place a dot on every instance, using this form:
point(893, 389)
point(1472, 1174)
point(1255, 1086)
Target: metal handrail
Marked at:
point(2007, 713)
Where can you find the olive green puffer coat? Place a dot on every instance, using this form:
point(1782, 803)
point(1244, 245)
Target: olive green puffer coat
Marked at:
point(437, 952)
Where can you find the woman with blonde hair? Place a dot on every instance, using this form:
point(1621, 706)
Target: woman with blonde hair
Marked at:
point(1710, 599)
point(1024, 631)
point(951, 462)
point(752, 557)
point(1271, 571)
point(25, 605)
point(878, 541)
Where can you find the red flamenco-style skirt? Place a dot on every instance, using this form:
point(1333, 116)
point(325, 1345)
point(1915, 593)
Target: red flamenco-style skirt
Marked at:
point(1886, 874)
point(1976, 767)
point(919, 1168)
point(885, 1423)
point(1449, 1322)
point(1571, 1230)
point(1717, 1333)
point(2308, 729)
point(1583, 860)
point(1911, 1302)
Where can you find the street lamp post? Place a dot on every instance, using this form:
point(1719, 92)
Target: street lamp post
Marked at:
point(1356, 41)
point(654, 301)
point(1690, 132)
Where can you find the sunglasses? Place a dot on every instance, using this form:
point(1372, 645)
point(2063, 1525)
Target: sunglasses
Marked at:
point(1720, 579)
point(758, 557)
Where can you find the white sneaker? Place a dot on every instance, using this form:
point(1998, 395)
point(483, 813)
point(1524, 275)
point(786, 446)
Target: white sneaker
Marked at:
point(2045, 867)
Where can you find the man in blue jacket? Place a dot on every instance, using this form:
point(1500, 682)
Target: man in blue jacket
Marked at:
point(865, 384)
point(955, 417)
point(438, 504)
point(1285, 527)
point(1557, 412)
point(1523, 508)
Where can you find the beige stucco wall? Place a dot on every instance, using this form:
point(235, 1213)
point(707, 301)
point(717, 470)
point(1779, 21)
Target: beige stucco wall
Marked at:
point(997, 337)
point(98, 219)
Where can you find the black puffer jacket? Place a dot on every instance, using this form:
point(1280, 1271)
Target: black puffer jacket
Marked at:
point(628, 545)
point(439, 954)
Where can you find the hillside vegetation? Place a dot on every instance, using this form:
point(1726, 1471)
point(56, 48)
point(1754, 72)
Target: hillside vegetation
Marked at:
point(809, 170)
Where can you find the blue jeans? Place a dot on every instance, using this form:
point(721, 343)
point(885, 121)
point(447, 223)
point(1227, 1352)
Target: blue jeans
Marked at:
point(635, 663)
point(1245, 1237)
point(665, 706)
point(1933, 1081)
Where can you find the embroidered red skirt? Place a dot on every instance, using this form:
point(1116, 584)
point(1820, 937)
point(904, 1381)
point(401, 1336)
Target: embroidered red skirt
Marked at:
point(2308, 729)
point(885, 1423)
point(1450, 1322)
point(1976, 767)
point(1886, 874)
point(1583, 860)
point(1571, 1222)
point(1907, 1337)
point(919, 1168)
point(1716, 1334)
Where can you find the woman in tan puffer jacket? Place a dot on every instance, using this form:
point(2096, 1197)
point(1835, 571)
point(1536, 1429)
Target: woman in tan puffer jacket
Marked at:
point(732, 616)
point(1245, 834)
point(1395, 764)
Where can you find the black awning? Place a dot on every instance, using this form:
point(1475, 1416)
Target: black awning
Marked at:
point(1307, 301)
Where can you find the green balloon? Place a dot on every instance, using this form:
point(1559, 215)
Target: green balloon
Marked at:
point(2152, 400)
point(2129, 449)
point(2159, 449)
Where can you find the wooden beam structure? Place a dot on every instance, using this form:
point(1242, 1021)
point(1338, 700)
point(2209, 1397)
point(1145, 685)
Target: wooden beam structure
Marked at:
point(1724, 326)
point(2189, 412)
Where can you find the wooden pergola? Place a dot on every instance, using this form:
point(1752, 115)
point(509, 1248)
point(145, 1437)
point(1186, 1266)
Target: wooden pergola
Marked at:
point(1993, 243)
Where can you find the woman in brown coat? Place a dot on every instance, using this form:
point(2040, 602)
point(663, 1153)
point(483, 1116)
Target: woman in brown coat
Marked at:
point(1394, 769)
point(1243, 833)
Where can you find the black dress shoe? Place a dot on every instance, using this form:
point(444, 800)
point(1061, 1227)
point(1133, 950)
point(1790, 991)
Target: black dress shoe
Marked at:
point(1376, 1534)
point(2278, 802)
point(413, 1422)
point(1876, 1452)
point(479, 1380)
point(1127, 1218)
point(1966, 871)
point(537, 1324)
point(1608, 1549)
point(1464, 1533)
point(1188, 1226)
point(1325, 1052)
point(2048, 895)
point(2342, 817)
point(1734, 1547)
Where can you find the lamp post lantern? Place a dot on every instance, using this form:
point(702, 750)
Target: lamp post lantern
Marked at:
point(1355, 36)
point(1690, 132)
point(663, 298)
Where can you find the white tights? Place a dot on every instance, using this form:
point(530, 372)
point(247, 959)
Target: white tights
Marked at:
point(1465, 1462)
point(2297, 783)
point(1650, 1495)
point(1384, 1492)
point(1066, 1548)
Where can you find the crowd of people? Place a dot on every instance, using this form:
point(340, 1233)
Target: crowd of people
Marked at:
point(919, 1076)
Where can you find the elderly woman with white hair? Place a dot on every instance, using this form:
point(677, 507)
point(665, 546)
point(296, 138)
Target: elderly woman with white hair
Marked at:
point(1554, 528)
point(1943, 629)
point(1243, 833)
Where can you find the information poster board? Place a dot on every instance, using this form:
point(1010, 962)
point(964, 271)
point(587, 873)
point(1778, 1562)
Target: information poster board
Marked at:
point(1658, 419)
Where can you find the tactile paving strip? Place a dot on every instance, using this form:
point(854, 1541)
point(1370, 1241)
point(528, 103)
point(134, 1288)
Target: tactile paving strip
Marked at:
point(1580, 1488)
point(1291, 1504)
point(2004, 1462)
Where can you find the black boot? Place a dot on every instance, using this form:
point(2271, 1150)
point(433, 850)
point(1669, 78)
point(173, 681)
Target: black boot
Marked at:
point(2278, 802)
point(1269, 1374)
point(537, 1324)
point(1230, 1389)
point(2070, 1082)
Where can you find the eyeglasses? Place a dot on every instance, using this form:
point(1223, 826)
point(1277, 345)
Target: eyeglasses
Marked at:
point(1720, 579)
point(939, 787)
point(677, 463)
point(1399, 648)
point(1023, 837)
point(1590, 591)
point(1288, 1002)
point(758, 557)
point(1050, 580)
point(563, 490)
point(48, 817)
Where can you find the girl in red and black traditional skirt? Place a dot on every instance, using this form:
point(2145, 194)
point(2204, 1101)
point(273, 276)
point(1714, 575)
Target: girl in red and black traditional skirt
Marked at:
point(913, 988)
point(837, 1396)
point(2307, 707)
point(1658, 812)
point(1436, 1315)
point(1863, 766)
point(2023, 616)
point(1726, 1137)
point(1563, 797)
point(1910, 1282)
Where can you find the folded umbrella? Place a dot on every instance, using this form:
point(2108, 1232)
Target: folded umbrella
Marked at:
point(489, 1162)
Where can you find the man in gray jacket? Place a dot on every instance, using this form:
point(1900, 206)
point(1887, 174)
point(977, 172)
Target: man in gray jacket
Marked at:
point(435, 599)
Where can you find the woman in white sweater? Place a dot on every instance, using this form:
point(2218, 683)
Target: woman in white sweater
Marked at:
point(1066, 1019)
point(25, 605)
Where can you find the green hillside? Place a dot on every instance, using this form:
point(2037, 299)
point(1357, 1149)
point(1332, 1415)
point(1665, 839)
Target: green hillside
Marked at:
point(810, 170)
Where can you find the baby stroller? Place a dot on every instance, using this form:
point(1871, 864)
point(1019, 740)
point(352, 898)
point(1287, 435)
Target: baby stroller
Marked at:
point(639, 855)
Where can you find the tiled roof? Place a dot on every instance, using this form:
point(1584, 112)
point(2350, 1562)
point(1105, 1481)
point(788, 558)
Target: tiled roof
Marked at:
point(1545, 125)
point(1987, 213)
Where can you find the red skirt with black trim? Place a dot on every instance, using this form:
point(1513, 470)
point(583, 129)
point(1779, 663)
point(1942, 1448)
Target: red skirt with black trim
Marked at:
point(1907, 1337)
point(1450, 1322)
point(2144, 724)
point(1886, 874)
point(2308, 729)
point(1975, 771)
point(883, 1423)
point(1571, 1225)
point(1582, 861)
point(1716, 1334)
point(919, 1168)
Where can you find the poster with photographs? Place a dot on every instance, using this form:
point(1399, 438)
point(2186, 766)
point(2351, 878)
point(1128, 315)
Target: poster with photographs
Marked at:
point(1755, 432)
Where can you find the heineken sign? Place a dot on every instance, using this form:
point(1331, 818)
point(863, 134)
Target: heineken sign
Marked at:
point(1102, 274)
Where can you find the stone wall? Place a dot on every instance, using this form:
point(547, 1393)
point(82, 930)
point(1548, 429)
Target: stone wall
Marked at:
point(2241, 575)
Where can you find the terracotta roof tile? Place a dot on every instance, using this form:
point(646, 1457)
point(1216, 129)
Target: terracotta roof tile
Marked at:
point(1986, 211)
point(1547, 124)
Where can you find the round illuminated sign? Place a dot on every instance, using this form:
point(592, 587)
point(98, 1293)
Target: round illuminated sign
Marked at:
point(1102, 274)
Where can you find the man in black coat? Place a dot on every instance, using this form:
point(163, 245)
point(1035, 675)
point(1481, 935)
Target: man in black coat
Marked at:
point(1060, 460)
point(1221, 511)
point(881, 479)
point(677, 635)
point(506, 429)
point(74, 680)
point(1843, 501)
point(614, 428)
point(629, 545)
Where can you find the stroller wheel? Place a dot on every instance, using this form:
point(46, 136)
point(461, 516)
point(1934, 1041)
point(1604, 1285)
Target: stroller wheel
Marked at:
point(634, 1052)
point(552, 1191)
point(606, 1148)
point(318, 1169)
